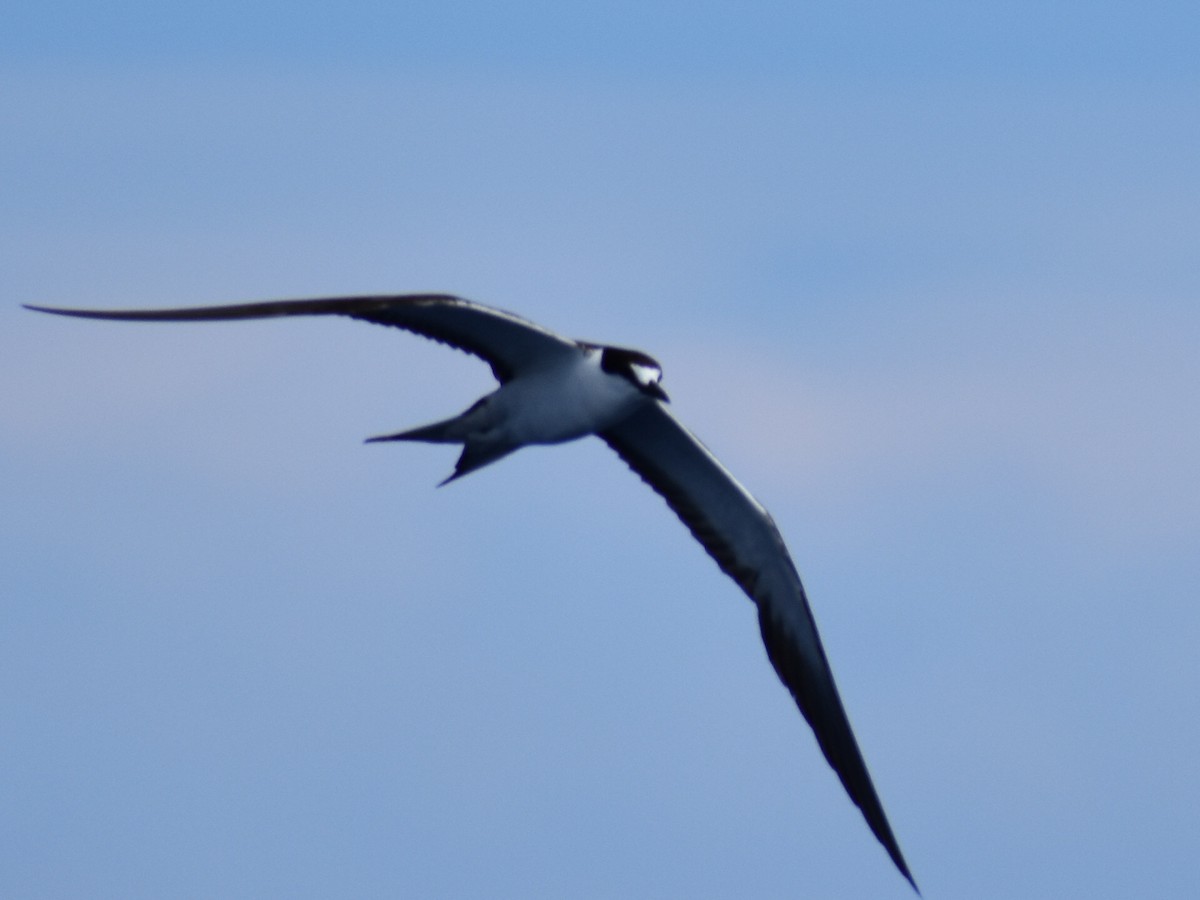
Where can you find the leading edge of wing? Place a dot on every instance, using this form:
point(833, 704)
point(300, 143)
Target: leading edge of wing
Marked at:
point(505, 341)
point(741, 536)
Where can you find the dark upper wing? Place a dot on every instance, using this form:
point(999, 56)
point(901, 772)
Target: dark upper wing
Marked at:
point(508, 343)
point(740, 535)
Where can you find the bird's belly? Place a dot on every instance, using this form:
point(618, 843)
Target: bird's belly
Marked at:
point(566, 409)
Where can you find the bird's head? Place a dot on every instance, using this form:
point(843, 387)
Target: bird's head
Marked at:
point(640, 370)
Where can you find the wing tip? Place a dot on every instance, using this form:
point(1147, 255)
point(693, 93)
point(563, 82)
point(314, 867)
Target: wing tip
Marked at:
point(882, 830)
point(903, 867)
point(53, 310)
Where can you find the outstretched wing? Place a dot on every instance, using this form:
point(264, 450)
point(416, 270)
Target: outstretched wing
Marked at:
point(740, 535)
point(508, 343)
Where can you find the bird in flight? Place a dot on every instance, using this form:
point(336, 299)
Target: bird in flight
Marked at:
point(554, 389)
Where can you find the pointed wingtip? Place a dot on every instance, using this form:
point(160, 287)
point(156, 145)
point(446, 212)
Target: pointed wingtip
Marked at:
point(893, 852)
point(913, 882)
point(82, 313)
point(898, 860)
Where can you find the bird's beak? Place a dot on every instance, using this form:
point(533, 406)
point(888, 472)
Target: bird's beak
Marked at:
point(654, 389)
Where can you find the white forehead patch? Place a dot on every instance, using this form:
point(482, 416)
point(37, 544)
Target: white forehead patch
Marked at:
point(646, 374)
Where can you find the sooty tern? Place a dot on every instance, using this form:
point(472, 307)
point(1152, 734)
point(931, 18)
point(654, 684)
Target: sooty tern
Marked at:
point(553, 389)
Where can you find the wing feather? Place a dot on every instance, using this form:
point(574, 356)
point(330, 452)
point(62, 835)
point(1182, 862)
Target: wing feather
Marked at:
point(508, 343)
point(741, 536)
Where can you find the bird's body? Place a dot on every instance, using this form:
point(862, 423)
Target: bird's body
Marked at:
point(553, 389)
point(570, 396)
point(561, 402)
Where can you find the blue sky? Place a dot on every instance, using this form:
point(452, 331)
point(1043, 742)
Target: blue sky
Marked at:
point(927, 281)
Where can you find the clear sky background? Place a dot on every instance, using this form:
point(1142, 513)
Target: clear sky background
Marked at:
point(926, 276)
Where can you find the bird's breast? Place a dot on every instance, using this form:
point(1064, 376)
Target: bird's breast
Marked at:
point(565, 403)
